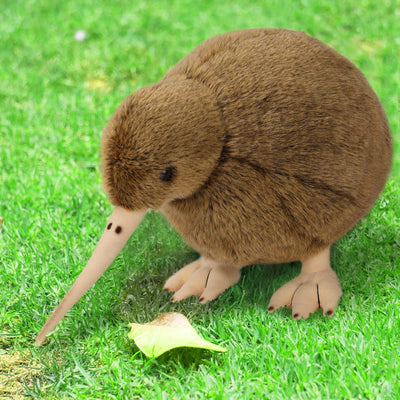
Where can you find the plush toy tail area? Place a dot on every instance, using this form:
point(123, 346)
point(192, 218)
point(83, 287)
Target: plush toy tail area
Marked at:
point(121, 224)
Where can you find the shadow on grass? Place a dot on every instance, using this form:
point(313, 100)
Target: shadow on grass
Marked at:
point(142, 299)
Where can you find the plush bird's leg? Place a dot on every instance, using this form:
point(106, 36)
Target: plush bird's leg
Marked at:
point(317, 286)
point(204, 278)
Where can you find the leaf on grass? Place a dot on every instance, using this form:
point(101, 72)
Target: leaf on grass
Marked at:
point(168, 331)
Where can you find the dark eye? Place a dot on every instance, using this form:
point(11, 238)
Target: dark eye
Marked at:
point(168, 174)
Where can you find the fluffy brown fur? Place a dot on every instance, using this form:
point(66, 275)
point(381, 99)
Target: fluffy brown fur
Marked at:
point(277, 142)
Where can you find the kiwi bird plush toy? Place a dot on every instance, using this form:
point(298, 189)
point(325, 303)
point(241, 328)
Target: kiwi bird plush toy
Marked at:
point(260, 146)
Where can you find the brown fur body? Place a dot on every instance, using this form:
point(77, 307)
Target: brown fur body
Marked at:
point(278, 146)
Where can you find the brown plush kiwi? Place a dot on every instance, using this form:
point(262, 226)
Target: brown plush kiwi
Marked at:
point(260, 146)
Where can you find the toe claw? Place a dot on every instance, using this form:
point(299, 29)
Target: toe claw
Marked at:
point(329, 313)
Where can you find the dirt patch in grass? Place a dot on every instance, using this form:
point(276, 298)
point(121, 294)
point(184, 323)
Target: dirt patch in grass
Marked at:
point(17, 374)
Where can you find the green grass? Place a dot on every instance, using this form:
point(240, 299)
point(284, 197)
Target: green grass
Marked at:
point(56, 94)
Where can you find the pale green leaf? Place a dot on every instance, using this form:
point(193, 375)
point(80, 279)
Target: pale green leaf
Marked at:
point(168, 331)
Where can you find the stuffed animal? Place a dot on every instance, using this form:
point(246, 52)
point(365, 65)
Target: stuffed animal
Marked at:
point(260, 146)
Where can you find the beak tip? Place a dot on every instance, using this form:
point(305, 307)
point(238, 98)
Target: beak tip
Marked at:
point(39, 341)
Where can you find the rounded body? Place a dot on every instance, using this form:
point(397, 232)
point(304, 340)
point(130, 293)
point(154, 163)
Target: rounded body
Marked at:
point(305, 154)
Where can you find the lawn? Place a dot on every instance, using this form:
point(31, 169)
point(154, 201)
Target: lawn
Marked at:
point(56, 94)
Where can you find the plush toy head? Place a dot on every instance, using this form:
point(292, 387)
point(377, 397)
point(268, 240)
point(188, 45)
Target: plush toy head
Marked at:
point(162, 143)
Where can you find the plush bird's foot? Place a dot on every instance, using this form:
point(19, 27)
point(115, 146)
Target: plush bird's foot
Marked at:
point(204, 278)
point(317, 286)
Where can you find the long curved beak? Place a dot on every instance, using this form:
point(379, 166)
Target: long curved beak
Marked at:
point(120, 227)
